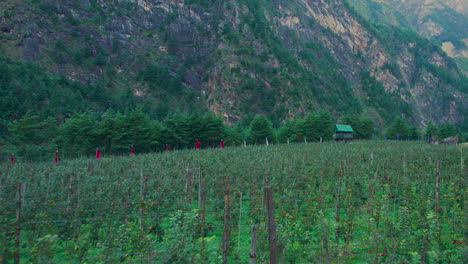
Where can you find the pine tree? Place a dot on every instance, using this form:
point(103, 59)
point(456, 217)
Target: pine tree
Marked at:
point(398, 128)
point(431, 130)
point(260, 129)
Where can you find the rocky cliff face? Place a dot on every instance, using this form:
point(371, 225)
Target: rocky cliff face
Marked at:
point(280, 58)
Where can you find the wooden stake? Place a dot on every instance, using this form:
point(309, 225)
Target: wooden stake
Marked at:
point(201, 208)
point(226, 221)
point(143, 188)
point(271, 225)
point(188, 182)
point(240, 222)
point(436, 196)
point(253, 245)
point(462, 163)
point(338, 206)
point(18, 223)
point(266, 140)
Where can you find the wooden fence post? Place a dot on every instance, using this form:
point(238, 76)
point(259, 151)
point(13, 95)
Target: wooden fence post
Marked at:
point(240, 222)
point(271, 225)
point(143, 190)
point(462, 163)
point(253, 245)
point(201, 208)
point(18, 223)
point(436, 196)
point(226, 221)
point(338, 206)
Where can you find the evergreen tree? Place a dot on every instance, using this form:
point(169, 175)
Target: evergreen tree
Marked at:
point(235, 135)
point(177, 131)
point(431, 130)
point(399, 127)
point(287, 131)
point(324, 125)
point(79, 134)
point(299, 130)
point(446, 130)
point(260, 129)
point(363, 128)
point(25, 129)
point(309, 128)
point(413, 133)
point(366, 128)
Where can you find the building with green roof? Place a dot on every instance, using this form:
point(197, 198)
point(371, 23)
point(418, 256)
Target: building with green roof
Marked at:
point(343, 132)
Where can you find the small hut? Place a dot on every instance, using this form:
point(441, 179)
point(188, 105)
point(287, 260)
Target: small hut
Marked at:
point(343, 132)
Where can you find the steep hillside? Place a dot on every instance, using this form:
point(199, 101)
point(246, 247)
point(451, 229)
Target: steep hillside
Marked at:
point(237, 58)
point(443, 21)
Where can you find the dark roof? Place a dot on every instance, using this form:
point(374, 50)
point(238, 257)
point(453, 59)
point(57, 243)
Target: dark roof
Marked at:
point(343, 128)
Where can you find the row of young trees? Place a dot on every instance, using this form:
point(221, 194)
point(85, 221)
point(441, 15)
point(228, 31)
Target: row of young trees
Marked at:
point(401, 129)
point(114, 132)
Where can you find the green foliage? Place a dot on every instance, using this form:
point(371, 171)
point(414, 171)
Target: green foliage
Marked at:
point(446, 130)
point(287, 132)
point(26, 87)
point(453, 24)
point(398, 129)
point(261, 129)
point(388, 105)
point(119, 131)
point(313, 127)
point(363, 128)
point(107, 211)
point(413, 133)
point(79, 134)
point(431, 130)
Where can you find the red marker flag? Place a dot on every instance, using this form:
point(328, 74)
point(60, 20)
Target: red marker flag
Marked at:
point(197, 144)
point(132, 150)
point(166, 148)
point(98, 154)
point(221, 144)
point(12, 158)
point(56, 157)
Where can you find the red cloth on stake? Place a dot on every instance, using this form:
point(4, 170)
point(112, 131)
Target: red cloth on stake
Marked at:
point(221, 144)
point(132, 149)
point(197, 144)
point(166, 148)
point(56, 157)
point(98, 154)
point(12, 158)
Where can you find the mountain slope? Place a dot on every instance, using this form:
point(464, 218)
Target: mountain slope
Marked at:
point(237, 58)
point(443, 21)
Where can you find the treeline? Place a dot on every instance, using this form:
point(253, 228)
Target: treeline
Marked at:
point(33, 138)
point(114, 132)
point(402, 130)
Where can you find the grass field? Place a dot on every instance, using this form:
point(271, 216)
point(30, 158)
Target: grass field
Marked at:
point(362, 202)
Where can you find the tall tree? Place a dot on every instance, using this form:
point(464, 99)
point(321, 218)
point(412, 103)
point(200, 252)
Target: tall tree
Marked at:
point(79, 134)
point(260, 129)
point(287, 131)
point(399, 127)
point(431, 130)
point(446, 130)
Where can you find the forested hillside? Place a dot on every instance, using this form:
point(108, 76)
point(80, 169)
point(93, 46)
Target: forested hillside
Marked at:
point(237, 59)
